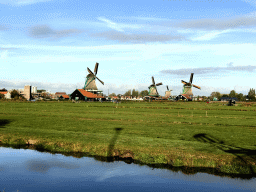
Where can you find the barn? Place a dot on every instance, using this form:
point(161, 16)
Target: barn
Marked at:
point(81, 94)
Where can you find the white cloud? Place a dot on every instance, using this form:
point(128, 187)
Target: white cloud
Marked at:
point(252, 2)
point(111, 24)
point(118, 26)
point(209, 35)
point(21, 2)
point(4, 54)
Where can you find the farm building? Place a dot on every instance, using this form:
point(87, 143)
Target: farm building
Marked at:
point(81, 94)
point(184, 97)
point(228, 98)
point(6, 94)
point(58, 94)
point(63, 97)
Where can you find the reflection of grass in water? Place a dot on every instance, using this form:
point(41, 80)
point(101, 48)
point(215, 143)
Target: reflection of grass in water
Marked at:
point(152, 131)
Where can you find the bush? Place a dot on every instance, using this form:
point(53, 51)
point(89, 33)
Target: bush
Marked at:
point(2, 96)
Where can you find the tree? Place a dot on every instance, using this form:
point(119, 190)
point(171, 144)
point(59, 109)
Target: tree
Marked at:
point(232, 93)
point(251, 94)
point(215, 94)
point(41, 90)
point(225, 95)
point(15, 94)
point(143, 93)
point(135, 93)
point(240, 97)
point(128, 93)
point(2, 96)
point(112, 95)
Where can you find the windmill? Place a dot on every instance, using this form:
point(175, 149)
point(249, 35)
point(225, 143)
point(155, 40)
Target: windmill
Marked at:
point(187, 87)
point(168, 92)
point(152, 89)
point(90, 84)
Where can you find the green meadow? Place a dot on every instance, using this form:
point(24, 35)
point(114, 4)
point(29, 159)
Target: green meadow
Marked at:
point(189, 134)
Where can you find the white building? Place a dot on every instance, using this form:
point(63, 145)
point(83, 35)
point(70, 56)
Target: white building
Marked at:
point(34, 89)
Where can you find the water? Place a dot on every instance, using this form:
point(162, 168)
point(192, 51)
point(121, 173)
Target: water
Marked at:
point(29, 170)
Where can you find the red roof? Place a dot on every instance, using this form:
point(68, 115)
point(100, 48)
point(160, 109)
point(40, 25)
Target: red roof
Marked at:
point(3, 92)
point(65, 96)
point(88, 94)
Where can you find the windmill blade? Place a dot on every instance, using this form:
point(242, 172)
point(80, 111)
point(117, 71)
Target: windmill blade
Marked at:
point(89, 71)
point(157, 92)
point(167, 88)
point(191, 77)
point(184, 82)
point(196, 86)
point(159, 84)
point(96, 68)
point(153, 80)
point(100, 80)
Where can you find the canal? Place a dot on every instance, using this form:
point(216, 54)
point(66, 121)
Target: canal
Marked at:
point(27, 170)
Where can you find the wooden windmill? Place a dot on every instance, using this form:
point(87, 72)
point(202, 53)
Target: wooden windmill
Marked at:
point(168, 92)
point(152, 89)
point(187, 87)
point(90, 82)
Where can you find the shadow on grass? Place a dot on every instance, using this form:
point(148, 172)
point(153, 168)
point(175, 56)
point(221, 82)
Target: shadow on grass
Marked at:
point(112, 143)
point(243, 156)
point(4, 122)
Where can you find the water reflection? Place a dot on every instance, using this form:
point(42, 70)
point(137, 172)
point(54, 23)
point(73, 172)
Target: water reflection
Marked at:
point(29, 170)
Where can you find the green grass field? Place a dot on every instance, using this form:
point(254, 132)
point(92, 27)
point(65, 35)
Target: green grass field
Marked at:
point(178, 133)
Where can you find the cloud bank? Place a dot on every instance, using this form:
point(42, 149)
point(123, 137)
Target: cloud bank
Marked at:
point(3, 27)
point(21, 2)
point(44, 31)
point(219, 24)
point(137, 38)
point(208, 70)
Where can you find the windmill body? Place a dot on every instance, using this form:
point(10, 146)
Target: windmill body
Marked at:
point(153, 89)
point(187, 87)
point(90, 82)
point(168, 92)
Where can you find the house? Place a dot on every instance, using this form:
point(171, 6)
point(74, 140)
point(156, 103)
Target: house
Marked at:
point(114, 98)
point(228, 98)
point(81, 94)
point(64, 97)
point(58, 94)
point(6, 94)
point(184, 97)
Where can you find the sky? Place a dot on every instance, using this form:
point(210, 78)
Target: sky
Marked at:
point(50, 44)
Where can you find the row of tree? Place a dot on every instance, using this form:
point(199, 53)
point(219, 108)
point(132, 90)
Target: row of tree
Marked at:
point(132, 93)
point(239, 96)
point(218, 95)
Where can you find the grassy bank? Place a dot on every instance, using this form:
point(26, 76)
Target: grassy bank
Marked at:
point(182, 134)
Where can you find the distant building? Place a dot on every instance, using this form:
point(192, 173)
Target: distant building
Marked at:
point(64, 97)
point(81, 94)
point(27, 92)
point(228, 98)
point(58, 94)
point(6, 94)
point(34, 89)
point(184, 97)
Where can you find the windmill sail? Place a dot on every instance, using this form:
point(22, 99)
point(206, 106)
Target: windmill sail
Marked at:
point(152, 88)
point(90, 83)
point(187, 87)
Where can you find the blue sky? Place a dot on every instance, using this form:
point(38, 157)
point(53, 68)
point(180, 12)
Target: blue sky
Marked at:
point(50, 43)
